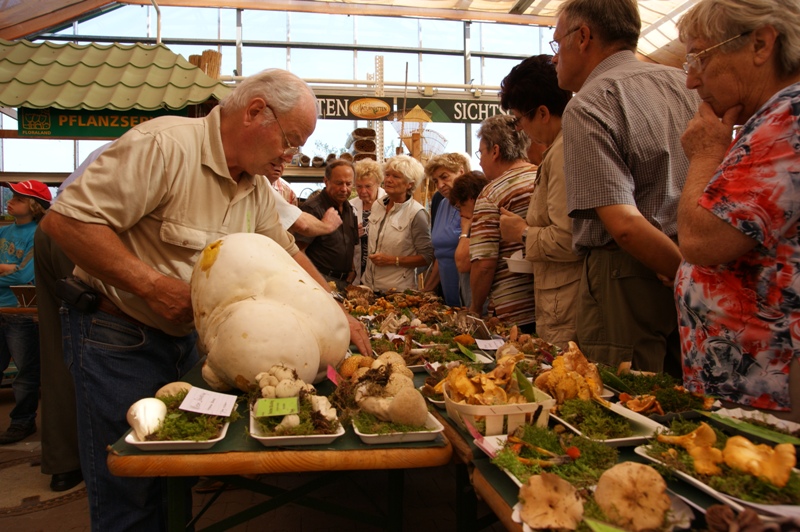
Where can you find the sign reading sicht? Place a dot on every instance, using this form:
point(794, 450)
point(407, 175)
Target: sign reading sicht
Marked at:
point(80, 123)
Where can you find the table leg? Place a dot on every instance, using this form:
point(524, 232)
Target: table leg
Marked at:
point(176, 504)
point(395, 503)
point(466, 501)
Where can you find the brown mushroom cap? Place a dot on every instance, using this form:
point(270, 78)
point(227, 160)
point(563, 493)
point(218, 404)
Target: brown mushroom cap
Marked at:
point(633, 496)
point(548, 501)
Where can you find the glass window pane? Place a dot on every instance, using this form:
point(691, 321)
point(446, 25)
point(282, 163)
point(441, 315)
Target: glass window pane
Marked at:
point(442, 34)
point(493, 70)
point(192, 23)
point(387, 31)
point(255, 60)
point(317, 27)
point(127, 21)
point(18, 155)
point(264, 25)
point(442, 68)
point(322, 64)
point(505, 38)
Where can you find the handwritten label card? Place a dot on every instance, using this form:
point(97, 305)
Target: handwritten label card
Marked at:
point(208, 402)
point(489, 345)
point(276, 407)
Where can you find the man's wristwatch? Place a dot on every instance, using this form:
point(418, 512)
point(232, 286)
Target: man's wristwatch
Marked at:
point(397, 261)
point(525, 234)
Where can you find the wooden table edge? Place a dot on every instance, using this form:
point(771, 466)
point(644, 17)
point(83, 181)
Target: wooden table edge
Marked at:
point(283, 461)
point(494, 500)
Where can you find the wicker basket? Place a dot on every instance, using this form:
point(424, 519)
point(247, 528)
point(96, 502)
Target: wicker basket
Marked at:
point(512, 416)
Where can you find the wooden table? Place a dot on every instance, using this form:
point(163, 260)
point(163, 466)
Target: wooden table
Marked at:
point(239, 454)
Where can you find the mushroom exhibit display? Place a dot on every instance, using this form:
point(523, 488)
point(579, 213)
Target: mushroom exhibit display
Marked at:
point(254, 307)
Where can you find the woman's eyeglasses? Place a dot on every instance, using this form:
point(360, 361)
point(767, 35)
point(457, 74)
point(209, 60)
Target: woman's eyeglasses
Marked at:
point(694, 62)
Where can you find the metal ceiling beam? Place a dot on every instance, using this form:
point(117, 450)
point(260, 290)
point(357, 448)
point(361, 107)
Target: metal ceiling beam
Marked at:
point(335, 8)
point(520, 7)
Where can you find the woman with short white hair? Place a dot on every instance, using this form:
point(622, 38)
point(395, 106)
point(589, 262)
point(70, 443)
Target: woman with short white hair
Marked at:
point(399, 229)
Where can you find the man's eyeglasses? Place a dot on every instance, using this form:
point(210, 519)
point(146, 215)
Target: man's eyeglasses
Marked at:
point(555, 44)
point(289, 150)
point(693, 61)
point(479, 153)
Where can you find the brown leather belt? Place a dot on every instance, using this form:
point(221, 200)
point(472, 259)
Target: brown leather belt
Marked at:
point(108, 306)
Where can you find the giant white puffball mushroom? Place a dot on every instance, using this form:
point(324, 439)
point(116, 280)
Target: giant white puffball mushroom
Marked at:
point(145, 416)
point(255, 307)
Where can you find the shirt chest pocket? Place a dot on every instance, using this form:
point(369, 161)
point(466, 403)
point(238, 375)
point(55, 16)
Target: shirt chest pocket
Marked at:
point(399, 223)
point(183, 236)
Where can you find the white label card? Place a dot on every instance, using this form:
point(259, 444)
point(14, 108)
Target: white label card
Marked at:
point(208, 402)
point(489, 345)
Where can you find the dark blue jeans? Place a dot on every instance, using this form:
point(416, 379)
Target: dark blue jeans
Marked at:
point(114, 363)
point(20, 341)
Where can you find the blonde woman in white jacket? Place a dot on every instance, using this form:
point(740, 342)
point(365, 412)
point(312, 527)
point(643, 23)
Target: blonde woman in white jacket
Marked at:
point(399, 229)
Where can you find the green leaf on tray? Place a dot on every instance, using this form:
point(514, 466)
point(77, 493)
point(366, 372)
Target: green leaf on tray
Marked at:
point(754, 430)
point(469, 354)
point(612, 381)
point(525, 386)
point(597, 526)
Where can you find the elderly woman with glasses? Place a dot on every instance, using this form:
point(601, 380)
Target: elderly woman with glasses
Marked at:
point(399, 229)
point(738, 290)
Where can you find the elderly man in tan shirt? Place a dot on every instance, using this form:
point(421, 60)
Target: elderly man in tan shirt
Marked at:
point(135, 224)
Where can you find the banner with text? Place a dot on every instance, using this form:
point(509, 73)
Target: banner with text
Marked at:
point(453, 111)
point(53, 122)
point(459, 111)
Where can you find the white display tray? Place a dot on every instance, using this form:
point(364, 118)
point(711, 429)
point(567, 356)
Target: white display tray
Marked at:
point(283, 441)
point(642, 426)
point(766, 511)
point(176, 445)
point(432, 423)
point(434, 402)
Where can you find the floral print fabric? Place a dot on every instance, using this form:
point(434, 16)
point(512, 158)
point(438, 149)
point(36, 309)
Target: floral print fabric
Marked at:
point(740, 321)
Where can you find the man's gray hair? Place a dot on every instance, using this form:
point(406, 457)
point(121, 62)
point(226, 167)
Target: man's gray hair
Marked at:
point(718, 20)
point(498, 130)
point(612, 21)
point(408, 167)
point(279, 88)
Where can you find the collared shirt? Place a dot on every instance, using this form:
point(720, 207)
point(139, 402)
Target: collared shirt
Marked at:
point(622, 145)
point(739, 322)
point(511, 293)
point(332, 252)
point(165, 189)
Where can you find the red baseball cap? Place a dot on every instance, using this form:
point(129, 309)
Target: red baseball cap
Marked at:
point(32, 189)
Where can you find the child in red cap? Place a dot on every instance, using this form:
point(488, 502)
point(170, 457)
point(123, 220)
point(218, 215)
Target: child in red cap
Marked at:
point(19, 333)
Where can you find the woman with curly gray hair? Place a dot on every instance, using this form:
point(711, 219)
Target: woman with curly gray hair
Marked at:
point(399, 229)
point(442, 170)
point(739, 214)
